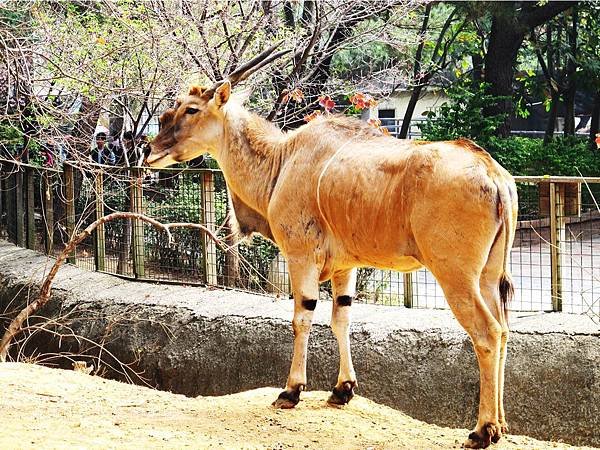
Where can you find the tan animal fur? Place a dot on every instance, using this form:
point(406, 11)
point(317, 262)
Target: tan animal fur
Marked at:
point(335, 195)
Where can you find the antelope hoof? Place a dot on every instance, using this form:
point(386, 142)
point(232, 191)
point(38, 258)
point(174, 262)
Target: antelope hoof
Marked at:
point(288, 399)
point(502, 429)
point(342, 395)
point(482, 439)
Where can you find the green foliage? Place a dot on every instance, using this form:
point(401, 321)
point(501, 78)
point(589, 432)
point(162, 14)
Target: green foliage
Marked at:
point(588, 55)
point(515, 153)
point(9, 134)
point(462, 115)
point(11, 15)
point(566, 156)
point(11, 143)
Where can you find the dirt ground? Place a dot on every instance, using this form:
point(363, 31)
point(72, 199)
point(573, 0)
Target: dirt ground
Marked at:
point(50, 409)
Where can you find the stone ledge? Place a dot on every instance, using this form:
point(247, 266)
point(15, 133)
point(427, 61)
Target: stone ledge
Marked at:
point(196, 341)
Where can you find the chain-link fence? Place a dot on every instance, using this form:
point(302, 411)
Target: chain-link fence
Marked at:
point(553, 261)
point(69, 200)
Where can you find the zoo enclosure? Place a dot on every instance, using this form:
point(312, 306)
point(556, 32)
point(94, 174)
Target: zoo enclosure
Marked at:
point(555, 258)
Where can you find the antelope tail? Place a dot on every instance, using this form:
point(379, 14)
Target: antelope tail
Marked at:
point(505, 208)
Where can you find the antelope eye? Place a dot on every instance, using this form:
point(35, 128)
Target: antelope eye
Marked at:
point(191, 110)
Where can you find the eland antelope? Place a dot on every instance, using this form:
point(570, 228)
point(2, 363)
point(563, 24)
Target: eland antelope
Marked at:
point(336, 194)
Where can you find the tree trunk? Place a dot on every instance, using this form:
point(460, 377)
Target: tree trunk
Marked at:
point(288, 13)
point(569, 129)
point(551, 125)
point(410, 109)
point(506, 38)
point(84, 128)
point(308, 12)
point(24, 96)
point(510, 22)
point(83, 132)
point(477, 74)
point(116, 121)
point(420, 84)
point(595, 122)
point(28, 127)
point(271, 25)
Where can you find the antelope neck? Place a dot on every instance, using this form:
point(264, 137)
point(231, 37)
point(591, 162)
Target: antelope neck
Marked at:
point(251, 157)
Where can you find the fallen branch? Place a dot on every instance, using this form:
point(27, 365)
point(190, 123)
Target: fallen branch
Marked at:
point(16, 325)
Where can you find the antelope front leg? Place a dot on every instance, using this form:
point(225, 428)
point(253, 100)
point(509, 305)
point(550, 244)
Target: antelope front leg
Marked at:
point(344, 288)
point(304, 278)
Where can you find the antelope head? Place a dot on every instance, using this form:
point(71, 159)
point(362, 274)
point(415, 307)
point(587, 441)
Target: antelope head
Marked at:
point(194, 125)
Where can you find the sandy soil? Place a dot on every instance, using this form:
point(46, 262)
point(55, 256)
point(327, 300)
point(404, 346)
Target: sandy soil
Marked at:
point(49, 408)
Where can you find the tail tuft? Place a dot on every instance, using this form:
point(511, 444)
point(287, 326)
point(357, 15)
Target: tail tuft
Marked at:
point(507, 290)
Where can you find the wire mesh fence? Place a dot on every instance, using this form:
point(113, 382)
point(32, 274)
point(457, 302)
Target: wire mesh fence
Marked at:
point(553, 260)
point(579, 254)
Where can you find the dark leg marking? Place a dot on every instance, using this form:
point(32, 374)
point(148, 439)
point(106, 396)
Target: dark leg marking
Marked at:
point(488, 433)
point(309, 304)
point(342, 395)
point(289, 399)
point(344, 300)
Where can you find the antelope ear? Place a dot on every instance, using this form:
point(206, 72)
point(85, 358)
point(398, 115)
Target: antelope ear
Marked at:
point(222, 93)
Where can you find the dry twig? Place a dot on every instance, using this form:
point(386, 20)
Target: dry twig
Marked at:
point(16, 325)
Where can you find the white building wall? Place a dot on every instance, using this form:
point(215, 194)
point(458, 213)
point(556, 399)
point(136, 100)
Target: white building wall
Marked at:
point(399, 102)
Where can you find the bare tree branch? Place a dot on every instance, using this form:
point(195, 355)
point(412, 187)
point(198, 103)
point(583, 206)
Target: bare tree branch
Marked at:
point(16, 325)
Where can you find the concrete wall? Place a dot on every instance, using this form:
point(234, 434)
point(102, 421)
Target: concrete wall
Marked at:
point(199, 341)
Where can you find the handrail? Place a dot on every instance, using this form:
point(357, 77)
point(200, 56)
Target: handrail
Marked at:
point(108, 168)
point(15, 162)
point(90, 164)
point(554, 179)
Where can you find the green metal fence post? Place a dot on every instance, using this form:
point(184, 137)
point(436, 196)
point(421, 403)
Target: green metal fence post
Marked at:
point(30, 216)
point(10, 202)
point(99, 234)
point(70, 206)
point(137, 206)
point(5, 191)
point(557, 241)
point(209, 219)
point(48, 202)
point(408, 290)
point(2, 194)
point(19, 209)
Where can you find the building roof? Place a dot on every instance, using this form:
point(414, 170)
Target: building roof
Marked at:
point(390, 81)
